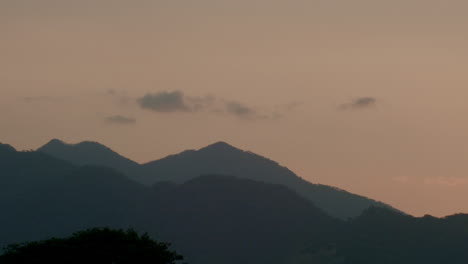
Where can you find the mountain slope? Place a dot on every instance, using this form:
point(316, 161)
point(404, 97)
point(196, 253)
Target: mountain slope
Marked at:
point(236, 220)
point(214, 219)
point(219, 158)
point(209, 219)
point(383, 236)
point(398, 238)
point(42, 196)
point(90, 153)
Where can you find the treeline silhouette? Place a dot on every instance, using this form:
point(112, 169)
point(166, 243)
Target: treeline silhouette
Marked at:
point(97, 245)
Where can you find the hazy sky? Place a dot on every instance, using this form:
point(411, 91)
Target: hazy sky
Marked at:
point(366, 95)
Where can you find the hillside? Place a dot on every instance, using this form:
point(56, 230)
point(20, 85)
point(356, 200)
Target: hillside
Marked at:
point(237, 219)
point(219, 158)
point(90, 153)
point(213, 219)
point(380, 236)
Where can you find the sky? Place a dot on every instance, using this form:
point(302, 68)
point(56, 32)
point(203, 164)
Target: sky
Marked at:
point(365, 95)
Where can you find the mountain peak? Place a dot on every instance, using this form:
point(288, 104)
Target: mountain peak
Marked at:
point(92, 144)
point(89, 153)
point(219, 146)
point(7, 148)
point(55, 142)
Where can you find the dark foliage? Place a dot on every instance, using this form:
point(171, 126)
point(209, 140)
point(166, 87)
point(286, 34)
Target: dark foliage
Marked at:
point(98, 245)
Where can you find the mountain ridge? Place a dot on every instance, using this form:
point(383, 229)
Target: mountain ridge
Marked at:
point(90, 153)
point(214, 219)
point(238, 219)
point(218, 158)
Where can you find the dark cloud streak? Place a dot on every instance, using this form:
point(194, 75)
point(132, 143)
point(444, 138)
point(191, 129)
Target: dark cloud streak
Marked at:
point(177, 101)
point(122, 120)
point(360, 103)
point(239, 109)
point(164, 102)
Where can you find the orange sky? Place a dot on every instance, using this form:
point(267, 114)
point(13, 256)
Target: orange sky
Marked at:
point(285, 79)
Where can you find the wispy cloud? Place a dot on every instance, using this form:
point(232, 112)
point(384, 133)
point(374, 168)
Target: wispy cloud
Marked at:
point(177, 102)
point(359, 103)
point(240, 110)
point(164, 102)
point(120, 96)
point(292, 106)
point(121, 120)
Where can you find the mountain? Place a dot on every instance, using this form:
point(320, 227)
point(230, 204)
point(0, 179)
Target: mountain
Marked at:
point(235, 219)
point(43, 196)
point(6, 148)
point(222, 158)
point(90, 153)
point(219, 158)
point(213, 219)
point(380, 235)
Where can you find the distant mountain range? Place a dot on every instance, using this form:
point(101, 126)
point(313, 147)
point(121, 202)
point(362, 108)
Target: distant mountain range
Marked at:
point(213, 219)
point(90, 153)
point(219, 158)
point(42, 196)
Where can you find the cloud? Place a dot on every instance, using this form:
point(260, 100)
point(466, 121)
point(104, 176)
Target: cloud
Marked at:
point(197, 103)
point(360, 103)
point(240, 110)
point(243, 111)
point(120, 96)
point(177, 101)
point(293, 105)
point(111, 92)
point(121, 120)
point(164, 102)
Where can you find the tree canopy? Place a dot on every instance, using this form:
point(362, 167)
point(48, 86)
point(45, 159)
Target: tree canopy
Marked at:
point(97, 245)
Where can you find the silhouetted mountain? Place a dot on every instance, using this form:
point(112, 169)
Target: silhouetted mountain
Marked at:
point(236, 219)
point(42, 196)
point(384, 236)
point(90, 153)
point(222, 158)
point(219, 158)
point(381, 236)
point(6, 148)
point(214, 219)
